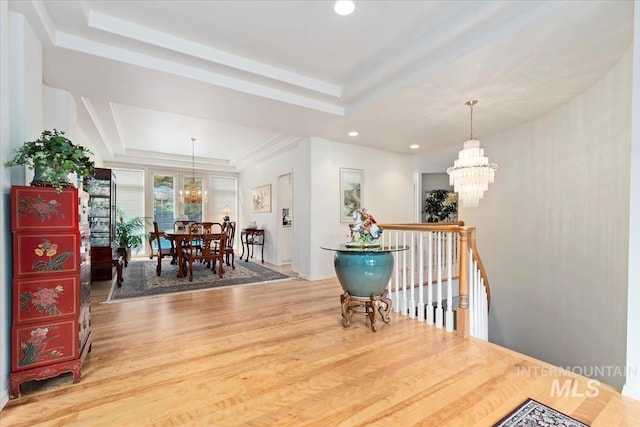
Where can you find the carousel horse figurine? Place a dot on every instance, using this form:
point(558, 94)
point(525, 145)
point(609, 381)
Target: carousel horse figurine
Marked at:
point(365, 224)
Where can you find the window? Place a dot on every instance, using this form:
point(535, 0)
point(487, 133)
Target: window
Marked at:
point(193, 188)
point(163, 201)
point(129, 194)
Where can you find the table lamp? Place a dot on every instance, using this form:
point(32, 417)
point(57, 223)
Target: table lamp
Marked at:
point(226, 211)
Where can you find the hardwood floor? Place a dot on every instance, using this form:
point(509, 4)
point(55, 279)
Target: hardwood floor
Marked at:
point(277, 354)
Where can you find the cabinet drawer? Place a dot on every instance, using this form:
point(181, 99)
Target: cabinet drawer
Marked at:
point(36, 208)
point(46, 254)
point(43, 344)
point(38, 300)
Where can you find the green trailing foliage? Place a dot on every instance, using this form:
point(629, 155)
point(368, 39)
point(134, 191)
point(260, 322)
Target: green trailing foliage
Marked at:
point(53, 156)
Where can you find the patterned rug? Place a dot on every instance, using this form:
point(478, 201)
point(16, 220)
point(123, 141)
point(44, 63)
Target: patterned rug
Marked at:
point(532, 413)
point(141, 281)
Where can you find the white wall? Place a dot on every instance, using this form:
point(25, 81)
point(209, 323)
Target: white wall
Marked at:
point(23, 114)
point(284, 234)
point(632, 386)
point(22, 64)
point(5, 185)
point(387, 192)
point(266, 171)
point(553, 230)
point(60, 112)
point(315, 165)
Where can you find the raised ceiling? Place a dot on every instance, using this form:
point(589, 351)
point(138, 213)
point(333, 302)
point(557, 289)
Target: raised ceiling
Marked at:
point(246, 78)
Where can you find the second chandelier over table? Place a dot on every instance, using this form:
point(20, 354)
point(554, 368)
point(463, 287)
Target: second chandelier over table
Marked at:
point(194, 194)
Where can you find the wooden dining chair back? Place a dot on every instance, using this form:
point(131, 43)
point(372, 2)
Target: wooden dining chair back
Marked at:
point(230, 231)
point(181, 225)
point(207, 252)
point(162, 251)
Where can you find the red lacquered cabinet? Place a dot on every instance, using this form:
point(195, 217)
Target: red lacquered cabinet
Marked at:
point(51, 330)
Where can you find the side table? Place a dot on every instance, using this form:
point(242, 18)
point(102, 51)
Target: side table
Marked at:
point(251, 237)
point(363, 273)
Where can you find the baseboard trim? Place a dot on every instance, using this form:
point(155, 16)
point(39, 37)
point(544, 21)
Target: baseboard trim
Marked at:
point(631, 390)
point(4, 399)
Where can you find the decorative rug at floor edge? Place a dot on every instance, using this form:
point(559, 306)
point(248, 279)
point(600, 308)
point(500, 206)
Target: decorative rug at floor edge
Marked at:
point(532, 413)
point(141, 281)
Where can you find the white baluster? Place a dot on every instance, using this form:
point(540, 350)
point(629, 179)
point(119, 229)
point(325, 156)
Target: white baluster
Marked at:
point(430, 280)
point(421, 312)
point(449, 319)
point(412, 275)
point(396, 294)
point(404, 275)
point(439, 310)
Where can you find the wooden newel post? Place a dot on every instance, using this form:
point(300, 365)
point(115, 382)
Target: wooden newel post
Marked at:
point(462, 314)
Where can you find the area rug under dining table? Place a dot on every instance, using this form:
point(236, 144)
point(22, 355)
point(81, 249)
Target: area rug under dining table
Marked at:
point(141, 280)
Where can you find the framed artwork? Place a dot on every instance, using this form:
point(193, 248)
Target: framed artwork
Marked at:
point(261, 199)
point(351, 181)
point(286, 217)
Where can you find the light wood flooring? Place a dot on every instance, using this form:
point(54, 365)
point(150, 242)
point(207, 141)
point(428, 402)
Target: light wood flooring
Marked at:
point(277, 355)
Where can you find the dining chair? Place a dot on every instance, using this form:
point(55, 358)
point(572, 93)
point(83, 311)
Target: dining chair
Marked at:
point(162, 251)
point(181, 225)
point(207, 252)
point(206, 228)
point(230, 231)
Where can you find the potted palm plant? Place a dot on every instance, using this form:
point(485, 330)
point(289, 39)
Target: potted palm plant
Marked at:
point(53, 157)
point(129, 234)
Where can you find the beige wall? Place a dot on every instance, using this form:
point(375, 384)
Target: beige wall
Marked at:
point(553, 230)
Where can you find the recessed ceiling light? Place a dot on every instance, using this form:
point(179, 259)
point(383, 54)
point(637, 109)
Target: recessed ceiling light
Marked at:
point(353, 133)
point(414, 146)
point(344, 7)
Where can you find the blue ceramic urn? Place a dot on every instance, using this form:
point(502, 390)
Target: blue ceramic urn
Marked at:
point(362, 274)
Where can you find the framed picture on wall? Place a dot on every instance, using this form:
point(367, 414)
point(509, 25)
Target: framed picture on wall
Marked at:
point(286, 217)
point(261, 199)
point(351, 183)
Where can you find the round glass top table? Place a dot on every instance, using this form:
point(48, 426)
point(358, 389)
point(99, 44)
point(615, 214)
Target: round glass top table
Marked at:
point(363, 273)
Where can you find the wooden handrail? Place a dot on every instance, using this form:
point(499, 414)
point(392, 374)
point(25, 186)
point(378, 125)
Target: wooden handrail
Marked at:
point(467, 241)
point(483, 273)
point(441, 226)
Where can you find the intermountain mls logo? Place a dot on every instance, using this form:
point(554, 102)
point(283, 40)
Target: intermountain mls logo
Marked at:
point(564, 386)
point(571, 388)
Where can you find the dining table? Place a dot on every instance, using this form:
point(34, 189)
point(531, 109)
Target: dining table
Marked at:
point(178, 238)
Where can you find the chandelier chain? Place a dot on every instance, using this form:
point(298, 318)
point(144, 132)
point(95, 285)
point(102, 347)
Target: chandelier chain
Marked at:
point(471, 104)
point(193, 159)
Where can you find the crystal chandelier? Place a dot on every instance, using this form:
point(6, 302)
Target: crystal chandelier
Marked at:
point(471, 173)
point(194, 194)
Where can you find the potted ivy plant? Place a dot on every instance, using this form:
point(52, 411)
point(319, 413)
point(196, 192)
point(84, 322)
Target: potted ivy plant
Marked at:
point(129, 234)
point(53, 157)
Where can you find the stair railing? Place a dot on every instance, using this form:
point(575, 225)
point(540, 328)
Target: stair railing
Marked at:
point(440, 279)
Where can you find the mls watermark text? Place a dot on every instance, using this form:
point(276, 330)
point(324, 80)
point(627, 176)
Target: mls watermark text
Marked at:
point(561, 386)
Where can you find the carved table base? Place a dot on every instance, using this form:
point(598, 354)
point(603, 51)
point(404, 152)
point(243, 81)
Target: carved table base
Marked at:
point(368, 306)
